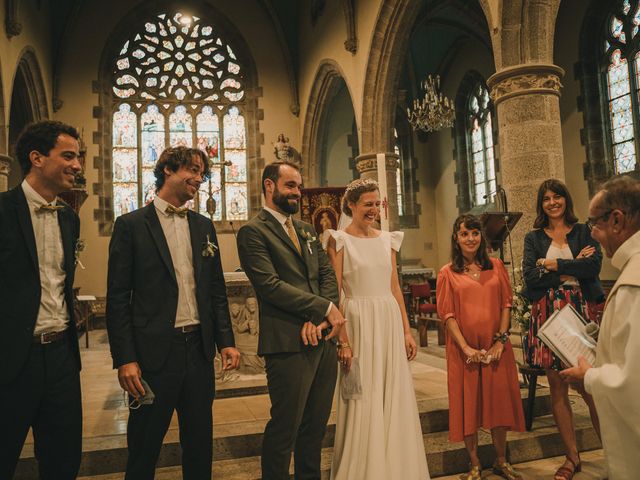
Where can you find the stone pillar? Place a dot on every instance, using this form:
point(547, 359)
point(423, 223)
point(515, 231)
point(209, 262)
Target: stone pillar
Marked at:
point(530, 137)
point(367, 165)
point(5, 168)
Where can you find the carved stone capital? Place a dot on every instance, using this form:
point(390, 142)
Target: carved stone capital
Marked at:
point(525, 80)
point(13, 28)
point(368, 162)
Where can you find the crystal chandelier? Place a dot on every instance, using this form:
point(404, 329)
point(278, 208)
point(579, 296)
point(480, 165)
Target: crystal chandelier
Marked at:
point(434, 111)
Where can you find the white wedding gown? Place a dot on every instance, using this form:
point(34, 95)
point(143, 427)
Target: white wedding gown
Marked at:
point(378, 436)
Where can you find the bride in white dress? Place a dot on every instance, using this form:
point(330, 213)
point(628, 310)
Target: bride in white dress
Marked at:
point(378, 434)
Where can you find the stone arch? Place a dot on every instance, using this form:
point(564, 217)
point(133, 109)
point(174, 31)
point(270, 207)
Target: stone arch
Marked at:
point(522, 31)
point(28, 104)
point(135, 18)
point(327, 82)
point(390, 41)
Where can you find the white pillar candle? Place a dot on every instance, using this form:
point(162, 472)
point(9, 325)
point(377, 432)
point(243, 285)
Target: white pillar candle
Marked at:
point(382, 185)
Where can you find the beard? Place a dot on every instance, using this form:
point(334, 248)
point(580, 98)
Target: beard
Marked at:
point(282, 201)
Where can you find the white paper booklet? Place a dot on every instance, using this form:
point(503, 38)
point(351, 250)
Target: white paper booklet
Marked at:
point(565, 334)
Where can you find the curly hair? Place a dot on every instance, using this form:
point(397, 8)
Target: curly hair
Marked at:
point(470, 222)
point(41, 137)
point(355, 190)
point(175, 157)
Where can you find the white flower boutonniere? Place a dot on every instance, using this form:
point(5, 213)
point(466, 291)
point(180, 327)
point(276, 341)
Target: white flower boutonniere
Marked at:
point(209, 248)
point(80, 246)
point(309, 239)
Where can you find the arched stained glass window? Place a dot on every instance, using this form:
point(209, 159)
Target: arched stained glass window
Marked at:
point(482, 169)
point(622, 75)
point(399, 182)
point(177, 82)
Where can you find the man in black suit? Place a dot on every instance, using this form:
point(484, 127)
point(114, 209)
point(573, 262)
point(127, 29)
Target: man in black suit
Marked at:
point(166, 311)
point(298, 293)
point(39, 356)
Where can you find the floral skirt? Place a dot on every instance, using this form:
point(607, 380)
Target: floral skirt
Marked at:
point(537, 353)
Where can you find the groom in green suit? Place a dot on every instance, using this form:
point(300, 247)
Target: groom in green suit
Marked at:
point(298, 293)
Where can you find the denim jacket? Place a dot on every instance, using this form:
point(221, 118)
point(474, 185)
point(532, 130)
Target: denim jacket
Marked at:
point(586, 270)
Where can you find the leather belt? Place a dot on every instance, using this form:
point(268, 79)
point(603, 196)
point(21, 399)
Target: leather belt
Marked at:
point(49, 337)
point(188, 328)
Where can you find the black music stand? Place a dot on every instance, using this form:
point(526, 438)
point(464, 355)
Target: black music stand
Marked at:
point(497, 226)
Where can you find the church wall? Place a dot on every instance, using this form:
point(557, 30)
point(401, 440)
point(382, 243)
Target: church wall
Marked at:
point(35, 35)
point(325, 40)
point(80, 68)
point(437, 169)
point(339, 126)
point(566, 55)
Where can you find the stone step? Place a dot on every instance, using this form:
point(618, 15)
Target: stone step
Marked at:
point(443, 458)
point(108, 454)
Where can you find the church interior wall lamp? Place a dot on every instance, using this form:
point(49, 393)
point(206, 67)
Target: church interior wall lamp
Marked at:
point(434, 111)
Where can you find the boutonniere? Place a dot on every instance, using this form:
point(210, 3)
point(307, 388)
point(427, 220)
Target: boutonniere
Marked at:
point(80, 246)
point(209, 248)
point(309, 239)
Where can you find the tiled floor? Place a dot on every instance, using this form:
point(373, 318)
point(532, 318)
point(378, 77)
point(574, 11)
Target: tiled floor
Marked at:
point(105, 413)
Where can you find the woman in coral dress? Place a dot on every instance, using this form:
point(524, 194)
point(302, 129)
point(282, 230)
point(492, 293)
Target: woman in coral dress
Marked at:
point(378, 434)
point(474, 300)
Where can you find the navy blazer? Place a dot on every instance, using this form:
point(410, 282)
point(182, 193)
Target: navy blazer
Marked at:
point(20, 287)
point(142, 290)
point(586, 270)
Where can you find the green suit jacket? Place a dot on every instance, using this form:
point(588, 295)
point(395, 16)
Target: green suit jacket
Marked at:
point(292, 288)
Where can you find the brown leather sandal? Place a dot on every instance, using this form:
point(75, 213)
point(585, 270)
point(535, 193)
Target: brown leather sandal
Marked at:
point(566, 473)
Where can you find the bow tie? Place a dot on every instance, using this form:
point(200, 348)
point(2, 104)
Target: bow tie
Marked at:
point(48, 208)
point(181, 211)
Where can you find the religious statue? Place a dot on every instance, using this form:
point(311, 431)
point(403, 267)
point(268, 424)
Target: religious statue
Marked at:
point(244, 320)
point(282, 149)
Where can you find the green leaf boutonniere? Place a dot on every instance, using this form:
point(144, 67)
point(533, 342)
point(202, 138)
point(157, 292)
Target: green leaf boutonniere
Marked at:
point(309, 239)
point(209, 248)
point(80, 246)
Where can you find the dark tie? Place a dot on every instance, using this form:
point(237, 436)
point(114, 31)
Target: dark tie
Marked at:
point(180, 211)
point(48, 208)
point(292, 234)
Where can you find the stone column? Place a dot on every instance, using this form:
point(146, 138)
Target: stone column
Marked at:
point(530, 137)
point(367, 166)
point(5, 168)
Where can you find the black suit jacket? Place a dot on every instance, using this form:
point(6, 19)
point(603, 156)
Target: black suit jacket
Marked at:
point(292, 287)
point(20, 288)
point(142, 291)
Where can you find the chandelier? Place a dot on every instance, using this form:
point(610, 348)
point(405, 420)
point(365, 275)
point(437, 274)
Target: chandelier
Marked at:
point(434, 111)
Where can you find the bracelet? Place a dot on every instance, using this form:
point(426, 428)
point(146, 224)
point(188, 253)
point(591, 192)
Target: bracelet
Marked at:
point(501, 337)
point(344, 345)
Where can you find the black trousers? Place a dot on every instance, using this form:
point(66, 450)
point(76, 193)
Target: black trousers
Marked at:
point(301, 389)
point(46, 397)
point(186, 384)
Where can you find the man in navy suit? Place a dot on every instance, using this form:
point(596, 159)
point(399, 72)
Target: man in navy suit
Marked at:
point(166, 312)
point(40, 374)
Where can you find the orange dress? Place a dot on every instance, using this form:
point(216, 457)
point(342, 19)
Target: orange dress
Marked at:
point(480, 395)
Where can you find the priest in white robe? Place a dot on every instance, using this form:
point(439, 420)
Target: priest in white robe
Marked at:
point(614, 380)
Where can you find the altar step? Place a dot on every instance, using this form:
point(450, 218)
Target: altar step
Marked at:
point(241, 441)
point(237, 446)
point(443, 457)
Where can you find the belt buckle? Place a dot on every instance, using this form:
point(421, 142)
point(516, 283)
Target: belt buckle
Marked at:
point(183, 329)
point(42, 339)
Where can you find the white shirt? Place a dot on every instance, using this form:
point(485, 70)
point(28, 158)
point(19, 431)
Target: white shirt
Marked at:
point(53, 315)
point(565, 253)
point(614, 381)
point(282, 218)
point(176, 232)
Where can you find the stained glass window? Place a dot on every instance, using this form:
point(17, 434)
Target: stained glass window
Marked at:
point(177, 82)
point(482, 178)
point(622, 76)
